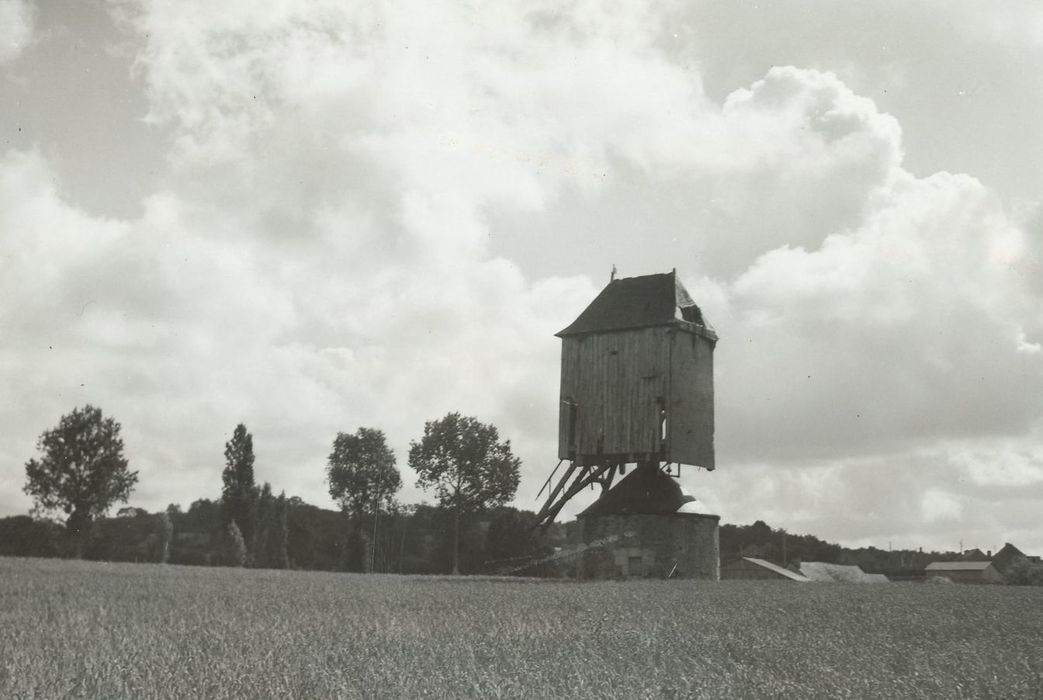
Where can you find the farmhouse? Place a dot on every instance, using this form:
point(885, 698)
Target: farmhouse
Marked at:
point(1008, 559)
point(751, 568)
point(999, 568)
point(965, 571)
point(975, 554)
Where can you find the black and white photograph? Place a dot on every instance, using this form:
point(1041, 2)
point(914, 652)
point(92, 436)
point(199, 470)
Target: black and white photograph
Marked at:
point(521, 349)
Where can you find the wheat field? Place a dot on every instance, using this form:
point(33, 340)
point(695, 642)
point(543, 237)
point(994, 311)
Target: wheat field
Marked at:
point(79, 629)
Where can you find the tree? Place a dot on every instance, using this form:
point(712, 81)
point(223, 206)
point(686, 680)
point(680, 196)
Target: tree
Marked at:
point(276, 554)
point(232, 546)
point(362, 476)
point(264, 506)
point(21, 536)
point(82, 471)
point(163, 536)
point(468, 467)
point(513, 541)
point(239, 494)
point(1023, 573)
point(268, 550)
point(361, 471)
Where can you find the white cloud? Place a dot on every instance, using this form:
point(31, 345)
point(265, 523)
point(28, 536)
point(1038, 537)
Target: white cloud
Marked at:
point(1011, 464)
point(328, 254)
point(939, 505)
point(180, 332)
point(1014, 23)
point(16, 28)
point(903, 328)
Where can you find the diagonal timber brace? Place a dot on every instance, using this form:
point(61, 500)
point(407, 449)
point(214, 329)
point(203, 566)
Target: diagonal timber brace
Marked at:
point(575, 479)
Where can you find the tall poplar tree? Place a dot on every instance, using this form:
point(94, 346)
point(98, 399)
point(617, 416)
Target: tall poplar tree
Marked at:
point(239, 493)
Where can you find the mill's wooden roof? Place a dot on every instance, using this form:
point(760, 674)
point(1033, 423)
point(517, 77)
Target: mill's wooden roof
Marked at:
point(643, 491)
point(638, 302)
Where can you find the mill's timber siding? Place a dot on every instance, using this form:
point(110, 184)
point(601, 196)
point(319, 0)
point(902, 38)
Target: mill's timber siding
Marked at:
point(615, 380)
point(690, 418)
point(618, 381)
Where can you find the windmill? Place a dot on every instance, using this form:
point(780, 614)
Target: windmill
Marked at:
point(636, 388)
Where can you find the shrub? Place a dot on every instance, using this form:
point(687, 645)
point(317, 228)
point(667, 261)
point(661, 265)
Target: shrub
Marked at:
point(234, 547)
point(1024, 573)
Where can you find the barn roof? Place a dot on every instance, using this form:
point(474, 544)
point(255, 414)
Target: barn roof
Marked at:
point(638, 302)
point(958, 565)
point(775, 568)
point(642, 491)
point(841, 573)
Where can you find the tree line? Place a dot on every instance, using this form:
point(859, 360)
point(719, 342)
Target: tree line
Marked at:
point(81, 473)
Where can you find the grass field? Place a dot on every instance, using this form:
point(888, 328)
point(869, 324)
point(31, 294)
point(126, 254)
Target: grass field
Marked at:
point(77, 629)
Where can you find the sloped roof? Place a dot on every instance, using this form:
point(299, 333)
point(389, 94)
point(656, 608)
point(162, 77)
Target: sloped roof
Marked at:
point(644, 491)
point(638, 302)
point(958, 565)
point(775, 568)
point(693, 506)
point(840, 573)
point(1007, 556)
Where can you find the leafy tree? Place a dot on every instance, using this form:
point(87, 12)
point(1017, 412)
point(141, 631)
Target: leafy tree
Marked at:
point(1023, 573)
point(264, 506)
point(203, 515)
point(361, 471)
point(239, 494)
point(315, 536)
point(199, 534)
point(362, 477)
point(468, 467)
point(513, 541)
point(133, 535)
point(164, 525)
point(277, 553)
point(420, 540)
point(233, 547)
point(21, 536)
point(82, 471)
point(269, 545)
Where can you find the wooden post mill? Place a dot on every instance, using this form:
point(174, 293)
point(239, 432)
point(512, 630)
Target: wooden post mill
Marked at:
point(637, 389)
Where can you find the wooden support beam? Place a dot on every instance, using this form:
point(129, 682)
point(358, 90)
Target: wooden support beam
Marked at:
point(587, 476)
point(609, 476)
point(547, 482)
point(554, 493)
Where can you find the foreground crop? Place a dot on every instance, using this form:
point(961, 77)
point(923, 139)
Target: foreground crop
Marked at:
point(74, 629)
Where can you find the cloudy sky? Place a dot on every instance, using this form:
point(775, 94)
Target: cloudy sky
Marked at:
point(321, 215)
